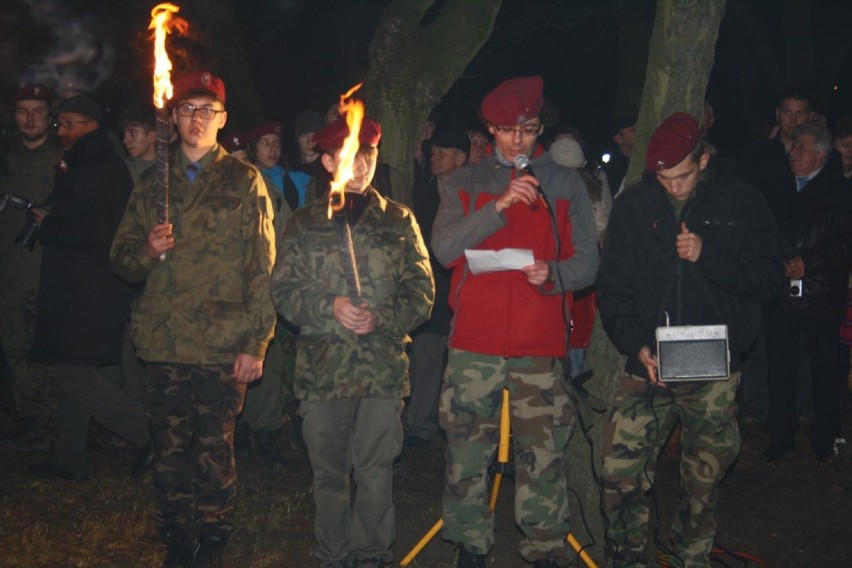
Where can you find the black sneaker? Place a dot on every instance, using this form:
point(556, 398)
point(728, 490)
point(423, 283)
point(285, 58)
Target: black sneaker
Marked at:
point(468, 559)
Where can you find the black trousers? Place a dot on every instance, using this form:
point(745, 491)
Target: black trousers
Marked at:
point(784, 332)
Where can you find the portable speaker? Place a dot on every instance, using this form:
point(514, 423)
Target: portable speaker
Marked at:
point(693, 353)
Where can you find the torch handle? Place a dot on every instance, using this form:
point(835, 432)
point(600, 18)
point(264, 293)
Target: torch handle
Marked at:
point(347, 258)
point(161, 151)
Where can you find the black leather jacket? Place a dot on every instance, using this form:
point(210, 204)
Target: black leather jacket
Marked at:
point(815, 225)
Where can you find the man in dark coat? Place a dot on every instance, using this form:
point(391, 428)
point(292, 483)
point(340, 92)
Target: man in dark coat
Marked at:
point(811, 207)
point(82, 305)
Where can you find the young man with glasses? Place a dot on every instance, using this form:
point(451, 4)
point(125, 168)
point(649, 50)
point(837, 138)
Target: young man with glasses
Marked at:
point(204, 320)
point(510, 327)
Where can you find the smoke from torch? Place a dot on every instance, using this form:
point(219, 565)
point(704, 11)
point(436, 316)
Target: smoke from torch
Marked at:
point(162, 24)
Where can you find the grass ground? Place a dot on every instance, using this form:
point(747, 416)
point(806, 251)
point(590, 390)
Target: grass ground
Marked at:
point(788, 514)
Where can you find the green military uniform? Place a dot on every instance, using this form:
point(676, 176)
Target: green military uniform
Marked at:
point(350, 386)
point(205, 303)
point(31, 174)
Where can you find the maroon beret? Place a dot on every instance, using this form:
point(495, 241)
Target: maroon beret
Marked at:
point(32, 92)
point(232, 143)
point(198, 82)
point(514, 101)
point(671, 142)
point(332, 135)
point(262, 129)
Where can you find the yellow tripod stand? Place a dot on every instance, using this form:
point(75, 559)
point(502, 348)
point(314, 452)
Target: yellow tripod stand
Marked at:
point(502, 459)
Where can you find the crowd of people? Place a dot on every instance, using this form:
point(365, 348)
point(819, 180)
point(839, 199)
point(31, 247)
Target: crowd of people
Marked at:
point(385, 316)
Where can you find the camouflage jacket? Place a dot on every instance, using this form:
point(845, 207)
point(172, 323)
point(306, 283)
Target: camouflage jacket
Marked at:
point(209, 299)
point(31, 174)
point(396, 282)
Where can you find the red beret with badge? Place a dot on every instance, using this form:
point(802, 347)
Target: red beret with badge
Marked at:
point(331, 137)
point(32, 92)
point(671, 142)
point(514, 101)
point(198, 83)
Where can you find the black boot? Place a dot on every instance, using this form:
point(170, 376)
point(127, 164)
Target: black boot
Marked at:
point(211, 553)
point(266, 447)
point(181, 547)
point(468, 559)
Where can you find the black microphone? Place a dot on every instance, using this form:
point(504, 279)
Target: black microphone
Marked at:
point(522, 164)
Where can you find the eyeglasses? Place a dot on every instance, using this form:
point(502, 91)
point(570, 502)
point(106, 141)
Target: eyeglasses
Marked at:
point(525, 131)
point(68, 124)
point(206, 112)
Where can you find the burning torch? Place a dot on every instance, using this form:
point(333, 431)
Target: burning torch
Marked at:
point(353, 109)
point(162, 23)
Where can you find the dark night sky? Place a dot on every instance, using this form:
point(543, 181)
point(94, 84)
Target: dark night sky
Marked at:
point(303, 53)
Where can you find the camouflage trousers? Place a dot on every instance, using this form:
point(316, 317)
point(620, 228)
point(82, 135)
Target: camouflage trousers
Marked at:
point(641, 419)
point(541, 420)
point(191, 411)
point(35, 395)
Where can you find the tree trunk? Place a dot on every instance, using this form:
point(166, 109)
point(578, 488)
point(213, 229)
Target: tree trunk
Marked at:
point(412, 66)
point(679, 63)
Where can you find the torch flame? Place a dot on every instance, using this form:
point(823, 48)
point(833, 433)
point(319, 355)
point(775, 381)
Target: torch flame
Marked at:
point(353, 109)
point(163, 23)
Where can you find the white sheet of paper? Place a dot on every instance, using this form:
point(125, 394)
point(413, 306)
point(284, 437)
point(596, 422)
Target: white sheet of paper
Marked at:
point(481, 261)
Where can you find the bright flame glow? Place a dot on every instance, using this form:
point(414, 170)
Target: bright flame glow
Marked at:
point(162, 22)
point(353, 110)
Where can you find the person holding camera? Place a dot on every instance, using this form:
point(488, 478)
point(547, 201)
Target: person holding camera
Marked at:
point(687, 249)
point(812, 209)
point(82, 305)
point(32, 158)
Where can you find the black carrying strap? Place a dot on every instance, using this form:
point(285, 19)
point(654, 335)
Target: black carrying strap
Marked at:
point(678, 279)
